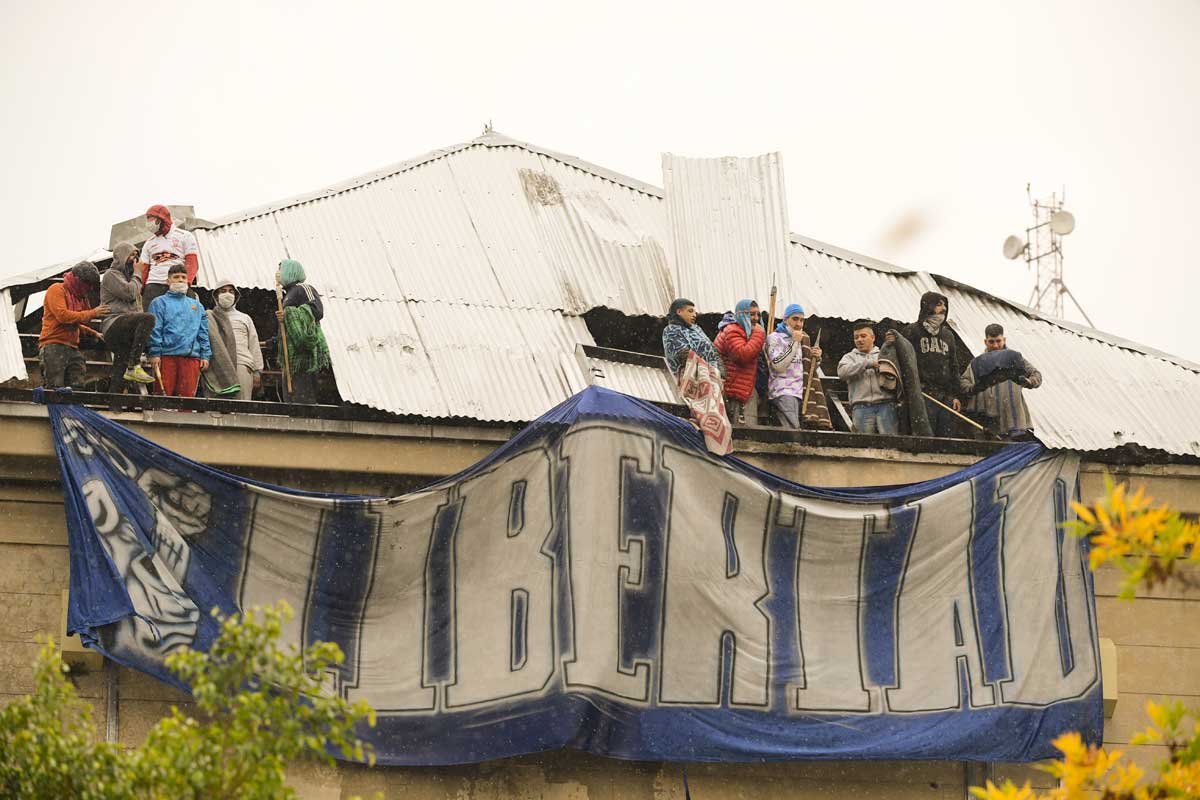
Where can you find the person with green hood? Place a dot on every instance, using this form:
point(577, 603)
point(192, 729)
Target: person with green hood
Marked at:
point(307, 352)
point(127, 329)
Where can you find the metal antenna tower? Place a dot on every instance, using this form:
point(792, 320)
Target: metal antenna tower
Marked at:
point(1042, 248)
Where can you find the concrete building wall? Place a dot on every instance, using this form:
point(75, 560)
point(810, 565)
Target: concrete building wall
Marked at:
point(1157, 640)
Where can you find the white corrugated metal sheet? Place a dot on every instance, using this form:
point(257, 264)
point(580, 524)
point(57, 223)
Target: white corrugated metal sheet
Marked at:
point(508, 225)
point(1095, 394)
point(634, 380)
point(729, 228)
point(454, 284)
point(829, 286)
point(53, 271)
point(450, 360)
point(12, 364)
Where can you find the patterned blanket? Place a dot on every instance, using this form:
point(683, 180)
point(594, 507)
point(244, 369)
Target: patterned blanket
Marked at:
point(700, 386)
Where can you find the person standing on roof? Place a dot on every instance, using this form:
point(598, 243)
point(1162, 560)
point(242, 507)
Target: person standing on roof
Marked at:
point(127, 329)
point(937, 361)
point(682, 336)
point(170, 246)
point(307, 350)
point(699, 374)
point(994, 382)
point(248, 354)
point(790, 356)
point(871, 408)
point(740, 340)
point(65, 306)
point(179, 347)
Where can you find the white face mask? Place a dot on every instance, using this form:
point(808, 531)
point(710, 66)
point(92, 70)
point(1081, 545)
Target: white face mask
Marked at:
point(225, 299)
point(177, 288)
point(153, 223)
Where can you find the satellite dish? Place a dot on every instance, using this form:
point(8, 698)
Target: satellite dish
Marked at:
point(1013, 247)
point(1062, 222)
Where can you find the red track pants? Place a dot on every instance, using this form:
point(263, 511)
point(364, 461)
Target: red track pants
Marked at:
point(180, 375)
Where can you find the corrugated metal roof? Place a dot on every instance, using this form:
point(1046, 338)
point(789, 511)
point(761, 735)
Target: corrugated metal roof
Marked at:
point(634, 380)
point(451, 360)
point(454, 281)
point(53, 271)
point(729, 227)
point(1095, 394)
point(828, 286)
point(12, 364)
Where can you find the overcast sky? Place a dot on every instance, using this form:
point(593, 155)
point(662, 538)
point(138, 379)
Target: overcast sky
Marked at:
point(908, 130)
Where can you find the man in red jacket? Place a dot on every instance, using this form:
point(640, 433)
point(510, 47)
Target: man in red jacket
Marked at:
point(739, 342)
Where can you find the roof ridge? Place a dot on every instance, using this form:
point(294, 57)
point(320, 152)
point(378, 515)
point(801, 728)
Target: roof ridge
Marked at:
point(1084, 331)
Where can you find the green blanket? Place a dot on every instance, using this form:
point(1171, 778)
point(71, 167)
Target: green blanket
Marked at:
point(306, 347)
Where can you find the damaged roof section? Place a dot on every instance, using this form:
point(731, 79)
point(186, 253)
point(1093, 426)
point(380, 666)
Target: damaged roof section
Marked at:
point(456, 285)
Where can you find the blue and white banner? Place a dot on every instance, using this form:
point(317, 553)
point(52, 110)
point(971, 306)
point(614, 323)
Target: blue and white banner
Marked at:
point(601, 582)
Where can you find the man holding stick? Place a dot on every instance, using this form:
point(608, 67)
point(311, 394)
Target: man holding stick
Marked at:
point(305, 351)
point(786, 381)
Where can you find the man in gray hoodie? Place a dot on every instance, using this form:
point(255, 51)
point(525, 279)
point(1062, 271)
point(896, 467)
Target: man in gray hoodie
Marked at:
point(248, 354)
point(126, 330)
point(872, 409)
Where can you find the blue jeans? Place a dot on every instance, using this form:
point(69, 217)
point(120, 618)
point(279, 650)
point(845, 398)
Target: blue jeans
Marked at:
point(875, 418)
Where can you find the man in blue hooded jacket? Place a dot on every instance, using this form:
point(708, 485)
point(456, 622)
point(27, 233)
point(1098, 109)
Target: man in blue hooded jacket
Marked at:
point(179, 349)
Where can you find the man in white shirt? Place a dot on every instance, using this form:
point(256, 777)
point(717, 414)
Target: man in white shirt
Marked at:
point(169, 246)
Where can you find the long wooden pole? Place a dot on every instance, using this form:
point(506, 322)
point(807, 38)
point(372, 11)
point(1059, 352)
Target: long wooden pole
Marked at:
point(287, 366)
point(963, 417)
point(812, 371)
point(771, 312)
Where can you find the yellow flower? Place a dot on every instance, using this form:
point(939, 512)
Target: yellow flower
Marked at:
point(1009, 791)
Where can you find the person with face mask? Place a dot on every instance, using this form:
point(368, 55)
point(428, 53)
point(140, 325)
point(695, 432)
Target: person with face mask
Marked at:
point(127, 329)
point(937, 361)
point(65, 306)
point(739, 341)
point(247, 354)
point(179, 347)
point(169, 246)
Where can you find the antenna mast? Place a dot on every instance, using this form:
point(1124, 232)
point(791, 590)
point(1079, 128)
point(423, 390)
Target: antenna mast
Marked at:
point(1043, 253)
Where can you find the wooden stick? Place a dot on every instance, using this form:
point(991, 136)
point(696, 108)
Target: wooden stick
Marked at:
point(287, 367)
point(158, 376)
point(771, 313)
point(812, 371)
point(964, 418)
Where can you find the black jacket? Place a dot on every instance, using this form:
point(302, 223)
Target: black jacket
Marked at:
point(299, 294)
point(937, 356)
